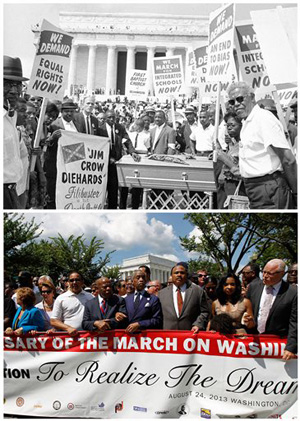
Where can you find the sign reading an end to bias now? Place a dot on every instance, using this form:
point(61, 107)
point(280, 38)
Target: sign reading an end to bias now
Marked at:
point(220, 46)
point(51, 65)
point(168, 76)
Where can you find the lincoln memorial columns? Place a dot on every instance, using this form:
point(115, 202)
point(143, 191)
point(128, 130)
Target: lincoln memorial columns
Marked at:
point(111, 70)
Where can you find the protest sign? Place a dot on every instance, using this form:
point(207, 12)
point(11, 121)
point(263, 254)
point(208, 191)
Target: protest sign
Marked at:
point(220, 44)
point(136, 86)
point(153, 374)
point(168, 76)
point(281, 62)
point(82, 162)
point(51, 65)
point(250, 58)
point(191, 78)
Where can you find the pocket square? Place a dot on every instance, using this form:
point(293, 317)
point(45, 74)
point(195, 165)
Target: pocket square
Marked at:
point(147, 305)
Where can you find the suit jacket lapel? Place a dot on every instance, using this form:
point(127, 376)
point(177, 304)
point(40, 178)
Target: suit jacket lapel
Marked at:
point(160, 135)
point(259, 291)
point(188, 294)
point(278, 298)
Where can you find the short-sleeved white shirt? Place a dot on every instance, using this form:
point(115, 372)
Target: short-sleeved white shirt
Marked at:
point(203, 138)
point(260, 130)
point(69, 308)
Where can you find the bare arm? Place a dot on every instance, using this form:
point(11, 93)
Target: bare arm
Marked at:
point(59, 325)
point(289, 165)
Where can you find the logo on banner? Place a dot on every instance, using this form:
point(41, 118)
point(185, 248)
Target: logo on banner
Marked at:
point(162, 412)
point(183, 410)
point(72, 153)
point(20, 401)
point(139, 408)
point(205, 413)
point(56, 405)
point(70, 406)
point(118, 407)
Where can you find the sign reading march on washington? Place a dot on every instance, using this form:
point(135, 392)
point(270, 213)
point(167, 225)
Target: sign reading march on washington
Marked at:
point(82, 162)
point(220, 44)
point(51, 65)
point(168, 76)
point(153, 374)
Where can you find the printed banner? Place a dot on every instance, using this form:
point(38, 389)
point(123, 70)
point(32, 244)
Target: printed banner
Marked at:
point(168, 77)
point(250, 58)
point(154, 374)
point(220, 44)
point(136, 86)
point(50, 70)
point(82, 162)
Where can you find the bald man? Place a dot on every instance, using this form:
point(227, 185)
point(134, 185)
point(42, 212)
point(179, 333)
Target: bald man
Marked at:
point(274, 304)
point(100, 312)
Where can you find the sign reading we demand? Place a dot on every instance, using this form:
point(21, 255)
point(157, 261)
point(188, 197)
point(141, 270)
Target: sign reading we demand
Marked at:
point(51, 65)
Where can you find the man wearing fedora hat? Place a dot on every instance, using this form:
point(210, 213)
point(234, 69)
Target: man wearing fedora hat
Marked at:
point(189, 127)
point(65, 122)
point(12, 163)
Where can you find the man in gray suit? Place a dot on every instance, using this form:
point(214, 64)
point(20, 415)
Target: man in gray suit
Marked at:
point(183, 303)
point(162, 136)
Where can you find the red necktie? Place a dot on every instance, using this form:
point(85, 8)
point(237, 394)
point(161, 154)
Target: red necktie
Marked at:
point(103, 307)
point(179, 301)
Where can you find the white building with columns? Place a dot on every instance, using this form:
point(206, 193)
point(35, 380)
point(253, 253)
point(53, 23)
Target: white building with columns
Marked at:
point(107, 45)
point(159, 266)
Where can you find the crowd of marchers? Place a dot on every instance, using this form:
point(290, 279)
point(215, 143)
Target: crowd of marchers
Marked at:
point(254, 156)
point(189, 301)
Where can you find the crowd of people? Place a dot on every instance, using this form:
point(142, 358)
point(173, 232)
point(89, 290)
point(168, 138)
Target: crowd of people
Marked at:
point(252, 156)
point(189, 301)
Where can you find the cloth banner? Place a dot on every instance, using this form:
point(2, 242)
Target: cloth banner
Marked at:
point(168, 77)
point(153, 374)
point(50, 70)
point(136, 86)
point(220, 44)
point(82, 162)
point(191, 78)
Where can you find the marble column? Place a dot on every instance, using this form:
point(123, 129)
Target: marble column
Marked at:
point(72, 69)
point(130, 62)
point(111, 70)
point(150, 56)
point(170, 52)
point(90, 83)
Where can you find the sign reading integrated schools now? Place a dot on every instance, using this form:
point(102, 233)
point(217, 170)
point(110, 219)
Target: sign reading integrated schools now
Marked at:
point(168, 76)
point(160, 374)
point(51, 65)
point(220, 44)
point(82, 162)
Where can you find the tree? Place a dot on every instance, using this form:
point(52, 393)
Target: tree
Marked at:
point(225, 238)
point(18, 237)
point(112, 272)
point(74, 254)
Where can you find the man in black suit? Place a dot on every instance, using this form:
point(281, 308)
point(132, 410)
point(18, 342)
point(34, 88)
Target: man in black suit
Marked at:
point(274, 304)
point(143, 309)
point(183, 303)
point(85, 120)
point(190, 125)
point(118, 138)
point(100, 312)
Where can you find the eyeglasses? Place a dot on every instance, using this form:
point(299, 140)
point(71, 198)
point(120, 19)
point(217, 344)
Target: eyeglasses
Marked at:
point(94, 290)
point(9, 85)
point(46, 292)
point(238, 99)
point(201, 276)
point(271, 273)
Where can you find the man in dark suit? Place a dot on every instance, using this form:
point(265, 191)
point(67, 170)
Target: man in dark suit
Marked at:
point(100, 312)
point(85, 120)
point(118, 138)
point(183, 303)
point(190, 125)
point(65, 122)
point(274, 304)
point(143, 309)
point(162, 137)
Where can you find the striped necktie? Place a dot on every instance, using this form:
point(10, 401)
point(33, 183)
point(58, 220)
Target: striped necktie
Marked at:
point(103, 307)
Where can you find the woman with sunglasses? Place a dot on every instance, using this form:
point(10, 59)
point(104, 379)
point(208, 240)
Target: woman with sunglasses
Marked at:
point(230, 301)
point(48, 293)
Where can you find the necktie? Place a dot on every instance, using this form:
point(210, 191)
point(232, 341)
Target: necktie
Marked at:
point(266, 307)
point(112, 136)
point(88, 130)
point(103, 307)
point(179, 301)
point(136, 139)
point(137, 301)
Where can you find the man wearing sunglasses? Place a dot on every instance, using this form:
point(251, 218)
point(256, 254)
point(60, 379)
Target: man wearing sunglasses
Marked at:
point(68, 307)
point(267, 164)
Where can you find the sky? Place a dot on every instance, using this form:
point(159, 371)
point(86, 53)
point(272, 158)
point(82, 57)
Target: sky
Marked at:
point(131, 234)
point(20, 16)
